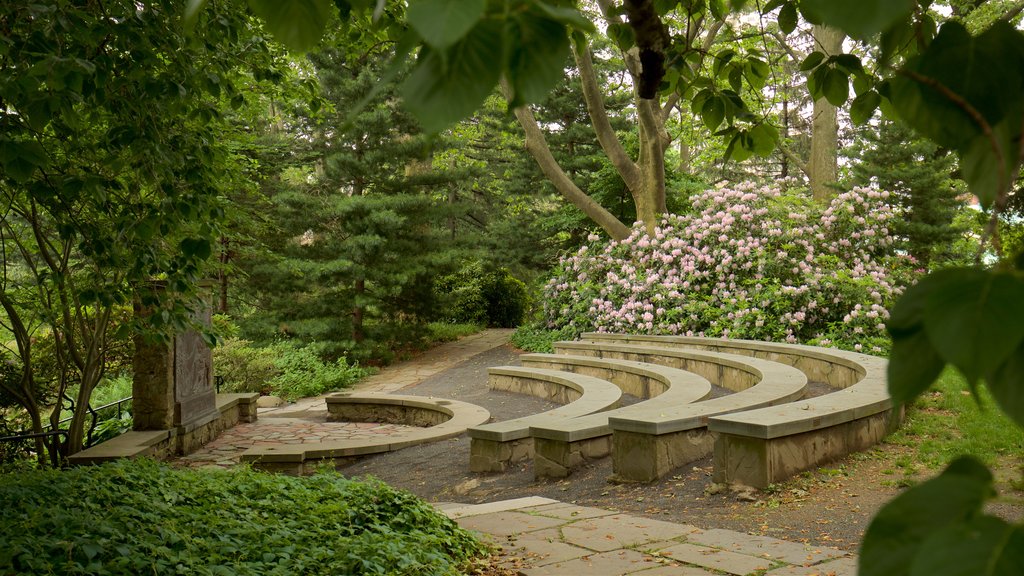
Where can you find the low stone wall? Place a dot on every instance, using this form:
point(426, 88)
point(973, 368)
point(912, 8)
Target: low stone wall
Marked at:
point(451, 416)
point(231, 409)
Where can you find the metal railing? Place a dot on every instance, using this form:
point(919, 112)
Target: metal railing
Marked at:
point(94, 417)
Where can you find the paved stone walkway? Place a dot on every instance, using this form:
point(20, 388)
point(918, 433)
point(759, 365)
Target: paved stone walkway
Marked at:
point(559, 539)
point(225, 450)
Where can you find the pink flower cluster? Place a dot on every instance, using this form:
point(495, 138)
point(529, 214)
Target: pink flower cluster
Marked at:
point(746, 262)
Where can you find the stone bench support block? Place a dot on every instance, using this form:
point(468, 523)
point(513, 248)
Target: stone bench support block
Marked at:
point(497, 445)
point(759, 462)
point(647, 457)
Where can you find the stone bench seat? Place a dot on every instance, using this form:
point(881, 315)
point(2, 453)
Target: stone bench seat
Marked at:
point(640, 379)
point(435, 419)
point(650, 438)
point(494, 446)
point(759, 447)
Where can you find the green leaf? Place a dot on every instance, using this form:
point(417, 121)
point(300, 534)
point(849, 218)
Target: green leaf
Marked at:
point(191, 16)
point(914, 364)
point(442, 23)
point(1007, 386)
point(717, 9)
point(723, 58)
point(763, 139)
point(713, 112)
point(446, 87)
point(772, 5)
point(958, 72)
point(836, 86)
point(757, 73)
point(787, 18)
point(298, 24)
point(198, 248)
point(863, 107)
point(981, 546)
point(813, 60)
point(986, 172)
point(536, 49)
point(566, 15)
point(850, 63)
point(907, 315)
point(896, 534)
point(860, 19)
point(622, 35)
point(966, 318)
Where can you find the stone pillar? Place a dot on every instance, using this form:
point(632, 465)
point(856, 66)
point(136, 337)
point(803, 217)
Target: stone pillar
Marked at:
point(173, 385)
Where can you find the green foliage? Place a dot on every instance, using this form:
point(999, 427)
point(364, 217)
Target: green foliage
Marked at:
point(140, 517)
point(494, 298)
point(450, 332)
point(537, 338)
point(947, 422)
point(918, 174)
point(285, 368)
point(913, 534)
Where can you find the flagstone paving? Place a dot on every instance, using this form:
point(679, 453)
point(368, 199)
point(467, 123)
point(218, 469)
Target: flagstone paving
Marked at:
point(226, 449)
point(555, 538)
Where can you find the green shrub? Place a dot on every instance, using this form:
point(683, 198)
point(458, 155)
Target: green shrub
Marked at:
point(141, 517)
point(304, 373)
point(286, 369)
point(244, 367)
point(448, 332)
point(534, 338)
point(474, 295)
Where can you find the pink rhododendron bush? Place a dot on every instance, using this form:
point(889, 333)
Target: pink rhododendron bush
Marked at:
point(747, 262)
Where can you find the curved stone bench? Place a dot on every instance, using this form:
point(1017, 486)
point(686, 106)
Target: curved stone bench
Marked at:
point(650, 438)
point(759, 447)
point(494, 446)
point(437, 419)
point(640, 379)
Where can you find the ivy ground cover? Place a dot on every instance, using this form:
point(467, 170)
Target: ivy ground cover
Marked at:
point(141, 517)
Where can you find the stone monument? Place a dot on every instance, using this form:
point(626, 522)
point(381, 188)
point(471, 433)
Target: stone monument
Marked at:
point(173, 386)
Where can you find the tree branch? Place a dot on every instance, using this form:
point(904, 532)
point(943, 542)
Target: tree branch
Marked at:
point(795, 159)
point(537, 146)
point(606, 136)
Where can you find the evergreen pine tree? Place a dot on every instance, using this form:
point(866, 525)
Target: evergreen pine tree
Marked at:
point(918, 175)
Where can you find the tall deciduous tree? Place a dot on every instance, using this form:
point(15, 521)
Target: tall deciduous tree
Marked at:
point(111, 162)
point(823, 166)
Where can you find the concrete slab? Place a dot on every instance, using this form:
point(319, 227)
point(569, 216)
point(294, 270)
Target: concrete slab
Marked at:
point(715, 559)
point(620, 531)
point(675, 569)
point(840, 567)
point(527, 503)
point(542, 547)
point(569, 511)
point(765, 547)
point(507, 523)
point(613, 563)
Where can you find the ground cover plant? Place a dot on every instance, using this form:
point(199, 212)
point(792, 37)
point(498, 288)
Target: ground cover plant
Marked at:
point(142, 517)
point(745, 262)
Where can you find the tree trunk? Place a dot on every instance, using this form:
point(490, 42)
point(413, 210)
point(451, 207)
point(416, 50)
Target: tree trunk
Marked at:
point(357, 311)
point(825, 125)
point(222, 274)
